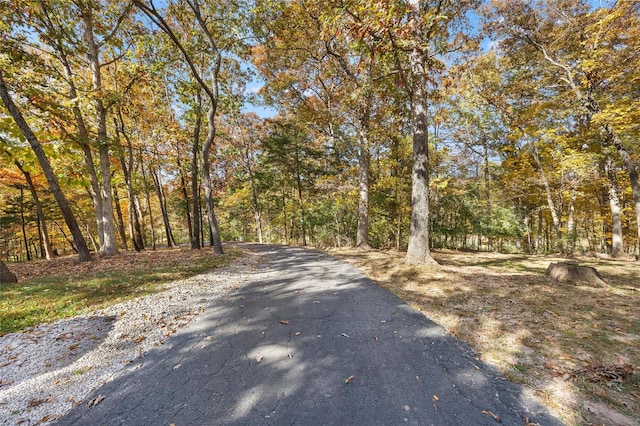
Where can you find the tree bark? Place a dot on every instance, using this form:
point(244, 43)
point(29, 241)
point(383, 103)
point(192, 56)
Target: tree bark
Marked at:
point(418, 251)
point(632, 171)
point(163, 206)
point(196, 243)
point(185, 195)
point(121, 231)
point(364, 161)
point(617, 248)
point(6, 276)
point(127, 170)
point(63, 203)
point(555, 216)
point(44, 233)
point(24, 226)
point(109, 245)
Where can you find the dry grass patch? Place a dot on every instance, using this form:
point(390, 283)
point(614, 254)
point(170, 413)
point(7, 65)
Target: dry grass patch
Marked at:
point(575, 345)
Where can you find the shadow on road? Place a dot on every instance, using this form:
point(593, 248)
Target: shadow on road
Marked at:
point(310, 340)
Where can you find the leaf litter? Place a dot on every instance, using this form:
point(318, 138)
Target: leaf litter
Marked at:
point(569, 342)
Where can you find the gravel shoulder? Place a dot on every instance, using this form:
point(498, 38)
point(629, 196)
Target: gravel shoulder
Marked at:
point(47, 370)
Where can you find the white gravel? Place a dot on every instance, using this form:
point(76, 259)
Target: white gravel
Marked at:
point(48, 369)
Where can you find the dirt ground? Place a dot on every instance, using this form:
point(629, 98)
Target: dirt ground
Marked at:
point(575, 345)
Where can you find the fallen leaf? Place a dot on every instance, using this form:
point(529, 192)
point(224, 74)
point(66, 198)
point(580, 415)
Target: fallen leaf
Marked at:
point(349, 379)
point(345, 335)
point(495, 416)
point(435, 397)
point(139, 339)
point(36, 402)
point(284, 322)
point(298, 333)
point(95, 401)
point(259, 358)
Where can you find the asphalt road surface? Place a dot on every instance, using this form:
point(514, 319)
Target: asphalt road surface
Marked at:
point(310, 341)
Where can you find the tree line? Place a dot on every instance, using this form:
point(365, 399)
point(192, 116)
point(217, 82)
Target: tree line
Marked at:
point(506, 125)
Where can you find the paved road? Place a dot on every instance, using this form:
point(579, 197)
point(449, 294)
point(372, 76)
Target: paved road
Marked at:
point(309, 341)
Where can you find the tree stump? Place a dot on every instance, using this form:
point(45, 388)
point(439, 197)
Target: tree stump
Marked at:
point(572, 272)
point(6, 276)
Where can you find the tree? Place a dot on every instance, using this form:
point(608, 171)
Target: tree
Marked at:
point(431, 26)
point(210, 21)
point(69, 217)
point(589, 54)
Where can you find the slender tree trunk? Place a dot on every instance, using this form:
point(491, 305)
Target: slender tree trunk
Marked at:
point(148, 198)
point(135, 230)
point(552, 207)
point(571, 224)
point(121, 230)
point(185, 195)
point(195, 179)
point(256, 206)
point(67, 213)
point(44, 233)
point(418, 251)
point(23, 225)
point(284, 215)
point(303, 223)
point(208, 186)
point(163, 206)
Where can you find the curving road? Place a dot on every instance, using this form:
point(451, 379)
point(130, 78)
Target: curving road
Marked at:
point(309, 341)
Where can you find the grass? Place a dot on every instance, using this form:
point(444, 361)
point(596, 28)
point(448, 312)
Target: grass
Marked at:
point(567, 342)
point(61, 288)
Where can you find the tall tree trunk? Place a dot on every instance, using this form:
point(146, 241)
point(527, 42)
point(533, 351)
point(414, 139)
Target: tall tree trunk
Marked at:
point(185, 195)
point(303, 222)
point(555, 216)
point(418, 251)
point(364, 161)
point(108, 244)
point(632, 171)
point(44, 233)
point(284, 215)
point(256, 206)
point(195, 178)
point(147, 193)
point(23, 225)
point(84, 140)
point(571, 224)
point(67, 213)
point(6, 276)
point(208, 186)
point(163, 206)
point(135, 230)
point(617, 248)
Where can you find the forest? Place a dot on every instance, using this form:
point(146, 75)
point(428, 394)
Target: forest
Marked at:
point(504, 125)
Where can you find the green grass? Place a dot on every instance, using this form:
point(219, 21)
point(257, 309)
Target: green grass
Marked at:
point(35, 301)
